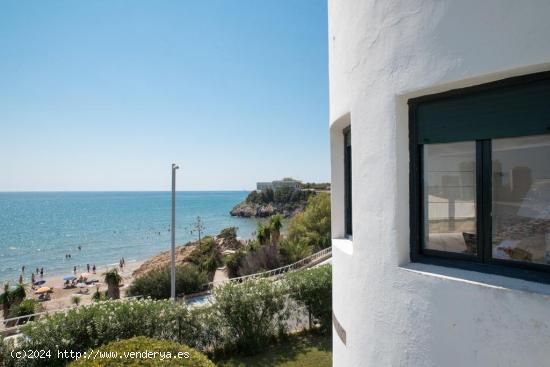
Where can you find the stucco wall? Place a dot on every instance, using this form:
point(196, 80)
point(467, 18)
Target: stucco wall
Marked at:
point(396, 313)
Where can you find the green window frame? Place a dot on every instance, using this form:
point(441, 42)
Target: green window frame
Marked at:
point(516, 107)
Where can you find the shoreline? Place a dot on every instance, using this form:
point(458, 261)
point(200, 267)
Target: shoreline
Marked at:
point(62, 298)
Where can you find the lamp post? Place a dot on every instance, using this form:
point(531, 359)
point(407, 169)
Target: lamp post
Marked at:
point(173, 232)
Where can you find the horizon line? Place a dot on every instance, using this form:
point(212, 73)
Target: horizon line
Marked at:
point(84, 191)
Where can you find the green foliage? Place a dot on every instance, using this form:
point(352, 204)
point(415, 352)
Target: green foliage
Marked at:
point(26, 307)
point(242, 317)
point(263, 197)
point(156, 283)
point(286, 195)
point(291, 252)
point(142, 344)
point(312, 226)
point(76, 300)
point(113, 279)
point(90, 326)
point(11, 297)
point(229, 232)
point(313, 289)
point(100, 296)
point(250, 314)
point(234, 262)
point(303, 350)
point(316, 186)
point(206, 256)
point(263, 258)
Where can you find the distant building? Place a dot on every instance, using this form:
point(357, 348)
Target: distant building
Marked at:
point(278, 184)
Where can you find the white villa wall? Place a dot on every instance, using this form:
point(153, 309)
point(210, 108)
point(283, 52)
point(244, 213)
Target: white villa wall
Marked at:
point(395, 313)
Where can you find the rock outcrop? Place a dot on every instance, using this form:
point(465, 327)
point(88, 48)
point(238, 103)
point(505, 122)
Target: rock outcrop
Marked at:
point(253, 210)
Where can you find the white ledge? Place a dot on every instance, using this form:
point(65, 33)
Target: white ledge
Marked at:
point(344, 245)
point(478, 279)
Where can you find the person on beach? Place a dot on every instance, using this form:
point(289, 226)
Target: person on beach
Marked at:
point(32, 278)
point(74, 270)
point(21, 279)
point(93, 269)
point(23, 269)
point(88, 267)
point(37, 271)
point(41, 272)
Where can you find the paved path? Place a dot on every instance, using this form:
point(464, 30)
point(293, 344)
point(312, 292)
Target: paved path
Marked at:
point(220, 276)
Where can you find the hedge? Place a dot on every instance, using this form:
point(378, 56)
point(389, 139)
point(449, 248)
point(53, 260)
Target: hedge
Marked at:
point(148, 352)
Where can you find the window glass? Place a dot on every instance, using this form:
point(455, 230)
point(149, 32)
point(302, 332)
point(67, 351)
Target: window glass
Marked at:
point(521, 199)
point(450, 197)
point(347, 178)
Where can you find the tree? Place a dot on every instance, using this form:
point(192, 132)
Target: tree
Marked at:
point(11, 297)
point(275, 224)
point(264, 234)
point(113, 279)
point(312, 226)
point(76, 300)
point(198, 228)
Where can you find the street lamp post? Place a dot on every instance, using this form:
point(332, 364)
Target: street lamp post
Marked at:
point(173, 232)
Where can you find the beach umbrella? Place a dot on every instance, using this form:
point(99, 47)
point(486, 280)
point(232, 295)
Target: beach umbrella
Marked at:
point(43, 290)
point(39, 282)
point(69, 277)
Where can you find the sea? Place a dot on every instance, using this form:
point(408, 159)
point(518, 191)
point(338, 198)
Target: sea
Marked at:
point(38, 229)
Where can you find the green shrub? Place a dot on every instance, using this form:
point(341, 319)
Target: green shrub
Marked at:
point(313, 289)
point(291, 252)
point(156, 283)
point(312, 226)
point(90, 326)
point(26, 307)
point(168, 354)
point(234, 262)
point(250, 314)
point(206, 256)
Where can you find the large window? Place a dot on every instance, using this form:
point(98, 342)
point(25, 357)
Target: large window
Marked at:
point(347, 180)
point(480, 177)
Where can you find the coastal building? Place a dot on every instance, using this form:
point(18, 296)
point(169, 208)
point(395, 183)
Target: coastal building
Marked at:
point(440, 138)
point(274, 185)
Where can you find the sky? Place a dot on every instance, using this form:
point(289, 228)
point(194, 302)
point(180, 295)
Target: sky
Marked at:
point(105, 95)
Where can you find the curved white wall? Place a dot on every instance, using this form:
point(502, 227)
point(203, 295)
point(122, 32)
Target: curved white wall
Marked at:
point(396, 313)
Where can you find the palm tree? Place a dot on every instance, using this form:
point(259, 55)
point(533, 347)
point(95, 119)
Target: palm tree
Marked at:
point(11, 297)
point(5, 299)
point(113, 279)
point(264, 234)
point(276, 223)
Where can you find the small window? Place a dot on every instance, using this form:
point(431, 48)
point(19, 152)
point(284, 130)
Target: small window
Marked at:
point(347, 181)
point(480, 177)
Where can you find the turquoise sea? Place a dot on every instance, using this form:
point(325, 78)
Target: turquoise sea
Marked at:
point(37, 229)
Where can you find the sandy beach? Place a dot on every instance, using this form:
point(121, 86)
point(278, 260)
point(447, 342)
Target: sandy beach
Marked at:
point(62, 298)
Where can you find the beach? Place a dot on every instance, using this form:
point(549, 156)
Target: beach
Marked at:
point(61, 298)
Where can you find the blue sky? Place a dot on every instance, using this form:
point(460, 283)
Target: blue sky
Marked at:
point(105, 95)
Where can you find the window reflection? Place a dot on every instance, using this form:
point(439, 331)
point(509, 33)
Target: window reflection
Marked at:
point(521, 199)
point(449, 197)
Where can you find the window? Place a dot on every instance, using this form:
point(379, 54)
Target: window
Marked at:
point(347, 180)
point(480, 177)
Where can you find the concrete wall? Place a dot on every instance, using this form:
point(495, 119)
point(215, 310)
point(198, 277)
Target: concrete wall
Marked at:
point(396, 313)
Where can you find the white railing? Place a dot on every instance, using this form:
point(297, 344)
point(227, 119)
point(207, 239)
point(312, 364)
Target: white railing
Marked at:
point(305, 262)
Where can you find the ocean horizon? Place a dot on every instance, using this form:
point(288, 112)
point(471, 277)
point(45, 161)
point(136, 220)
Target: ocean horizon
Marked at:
point(39, 228)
